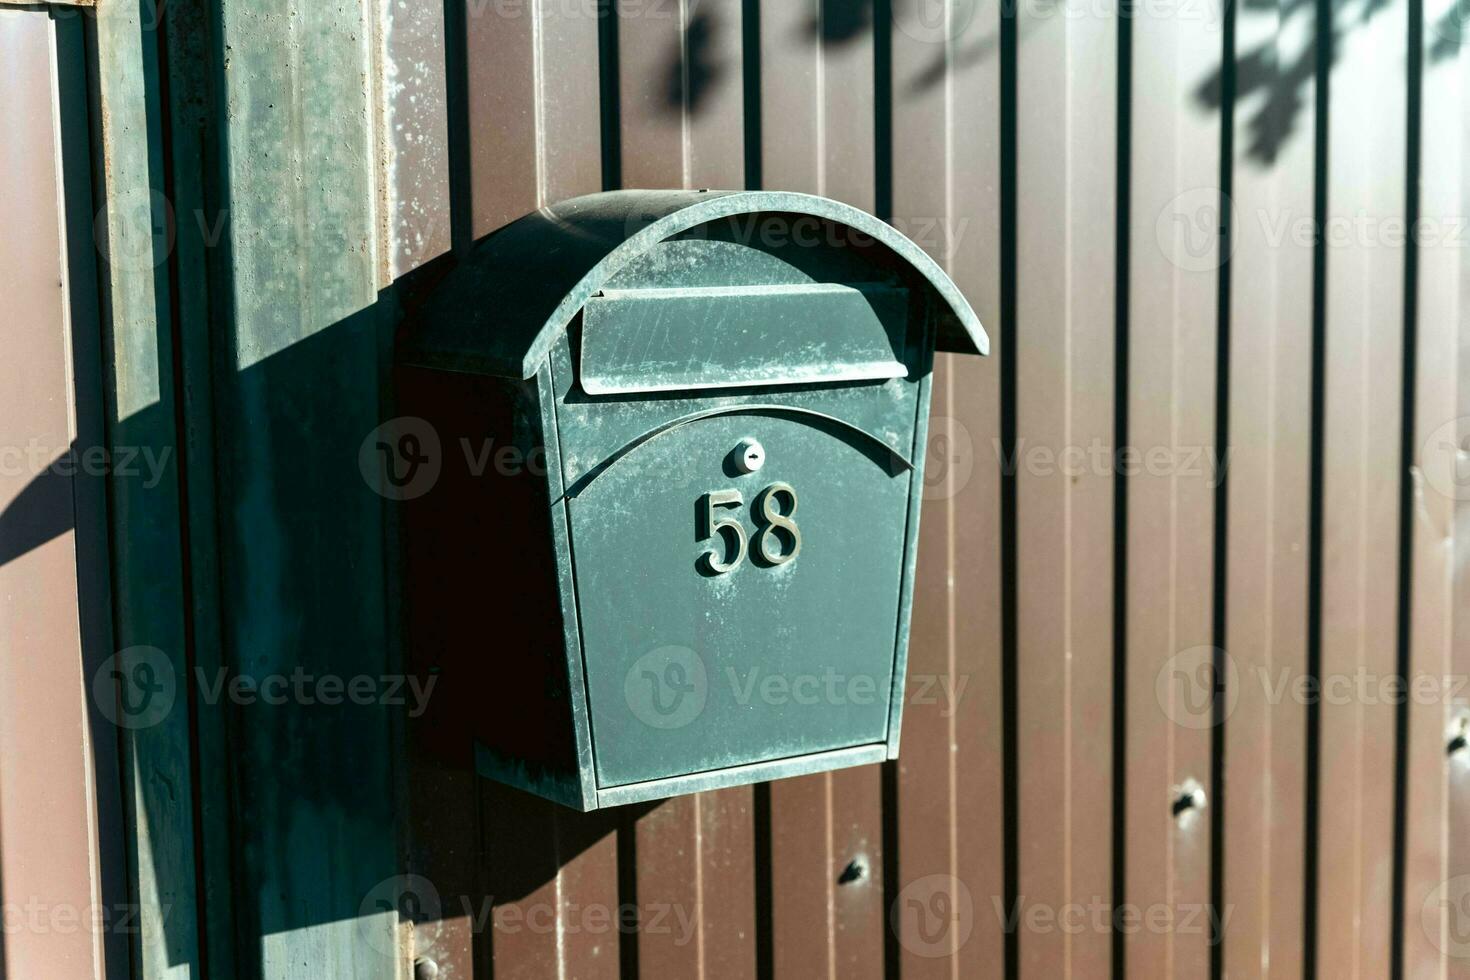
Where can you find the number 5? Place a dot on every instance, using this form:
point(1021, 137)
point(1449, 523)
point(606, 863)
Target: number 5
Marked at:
point(714, 525)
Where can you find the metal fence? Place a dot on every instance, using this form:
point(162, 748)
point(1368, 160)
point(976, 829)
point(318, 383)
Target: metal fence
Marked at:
point(1187, 680)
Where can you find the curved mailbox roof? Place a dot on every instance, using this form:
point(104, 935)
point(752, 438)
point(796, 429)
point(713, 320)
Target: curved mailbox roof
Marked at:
point(501, 310)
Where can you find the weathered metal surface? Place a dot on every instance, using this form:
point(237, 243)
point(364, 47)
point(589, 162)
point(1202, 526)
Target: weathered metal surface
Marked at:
point(298, 371)
point(645, 340)
point(547, 265)
point(852, 513)
point(151, 618)
point(415, 132)
point(624, 460)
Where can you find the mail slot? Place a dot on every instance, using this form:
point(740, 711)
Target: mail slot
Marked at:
point(671, 541)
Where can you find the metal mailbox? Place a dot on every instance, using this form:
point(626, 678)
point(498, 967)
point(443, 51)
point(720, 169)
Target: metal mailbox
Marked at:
point(696, 420)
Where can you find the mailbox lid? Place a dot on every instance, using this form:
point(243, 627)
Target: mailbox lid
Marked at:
point(502, 309)
point(708, 337)
point(692, 668)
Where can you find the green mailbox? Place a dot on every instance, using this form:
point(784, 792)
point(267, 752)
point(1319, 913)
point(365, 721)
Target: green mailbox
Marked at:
point(670, 545)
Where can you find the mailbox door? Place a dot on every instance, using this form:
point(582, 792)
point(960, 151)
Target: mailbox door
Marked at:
point(731, 617)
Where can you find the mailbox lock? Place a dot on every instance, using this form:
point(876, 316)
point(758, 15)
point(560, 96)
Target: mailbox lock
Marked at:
point(749, 456)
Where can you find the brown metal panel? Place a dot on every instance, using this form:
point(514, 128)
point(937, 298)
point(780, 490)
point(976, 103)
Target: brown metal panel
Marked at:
point(533, 107)
point(1066, 91)
point(503, 106)
point(588, 934)
point(522, 878)
point(727, 913)
point(682, 102)
point(569, 123)
point(946, 195)
point(826, 870)
point(1434, 861)
point(416, 132)
point(1171, 406)
point(696, 887)
point(670, 889)
point(1360, 503)
point(48, 844)
point(817, 99)
point(1269, 503)
point(546, 901)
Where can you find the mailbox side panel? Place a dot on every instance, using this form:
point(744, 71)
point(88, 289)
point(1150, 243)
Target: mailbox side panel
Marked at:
point(911, 538)
point(493, 633)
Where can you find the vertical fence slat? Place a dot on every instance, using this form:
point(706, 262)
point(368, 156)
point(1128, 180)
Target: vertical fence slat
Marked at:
point(1171, 408)
point(416, 132)
point(817, 106)
point(461, 829)
point(543, 897)
point(48, 837)
point(817, 100)
point(1437, 819)
point(148, 571)
point(300, 368)
point(1360, 539)
point(1063, 464)
point(502, 106)
point(682, 102)
point(1268, 498)
point(946, 166)
point(682, 125)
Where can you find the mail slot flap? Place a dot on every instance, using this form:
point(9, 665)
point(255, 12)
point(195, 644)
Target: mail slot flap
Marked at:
point(650, 340)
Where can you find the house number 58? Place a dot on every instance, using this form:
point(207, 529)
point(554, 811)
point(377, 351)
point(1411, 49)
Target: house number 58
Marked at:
point(777, 541)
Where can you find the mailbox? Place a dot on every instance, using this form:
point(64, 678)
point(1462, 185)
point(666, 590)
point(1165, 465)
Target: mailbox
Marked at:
point(670, 542)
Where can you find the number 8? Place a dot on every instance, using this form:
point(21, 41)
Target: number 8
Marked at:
point(771, 520)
